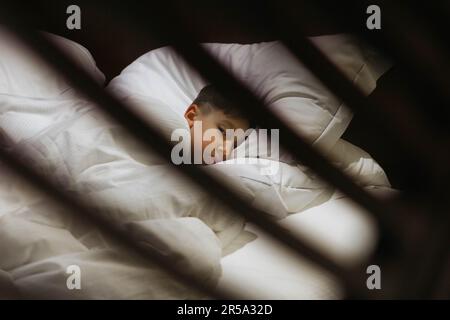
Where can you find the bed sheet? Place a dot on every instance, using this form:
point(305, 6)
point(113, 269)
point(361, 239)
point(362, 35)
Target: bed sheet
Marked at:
point(264, 269)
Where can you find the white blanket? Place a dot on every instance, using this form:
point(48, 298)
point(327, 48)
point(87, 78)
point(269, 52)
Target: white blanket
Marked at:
point(88, 154)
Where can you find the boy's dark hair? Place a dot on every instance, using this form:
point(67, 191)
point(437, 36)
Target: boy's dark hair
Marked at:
point(209, 98)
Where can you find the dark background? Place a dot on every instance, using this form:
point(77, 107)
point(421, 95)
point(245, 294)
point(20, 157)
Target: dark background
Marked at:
point(114, 44)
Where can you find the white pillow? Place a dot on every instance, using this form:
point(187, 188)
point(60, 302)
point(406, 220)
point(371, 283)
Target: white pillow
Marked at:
point(271, 72)
point(30, 91)
point(23, 74)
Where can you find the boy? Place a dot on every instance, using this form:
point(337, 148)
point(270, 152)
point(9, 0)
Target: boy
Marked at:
point(214, 126)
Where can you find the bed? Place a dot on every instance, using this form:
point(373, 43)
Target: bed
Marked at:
point(67, 137)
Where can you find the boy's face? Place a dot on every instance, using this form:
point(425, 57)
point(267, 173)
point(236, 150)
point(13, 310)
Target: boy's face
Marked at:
point(218, 121)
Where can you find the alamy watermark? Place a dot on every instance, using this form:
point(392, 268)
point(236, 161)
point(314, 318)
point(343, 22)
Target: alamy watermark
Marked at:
point(374, 20)
point(73, 281)
point(374, 280)
point(74, 20)
point(198, 146)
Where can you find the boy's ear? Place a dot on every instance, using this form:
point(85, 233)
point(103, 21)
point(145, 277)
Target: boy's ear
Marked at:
point(191, 114)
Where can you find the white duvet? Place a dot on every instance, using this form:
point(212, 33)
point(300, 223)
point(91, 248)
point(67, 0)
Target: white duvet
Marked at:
point(89, 155)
